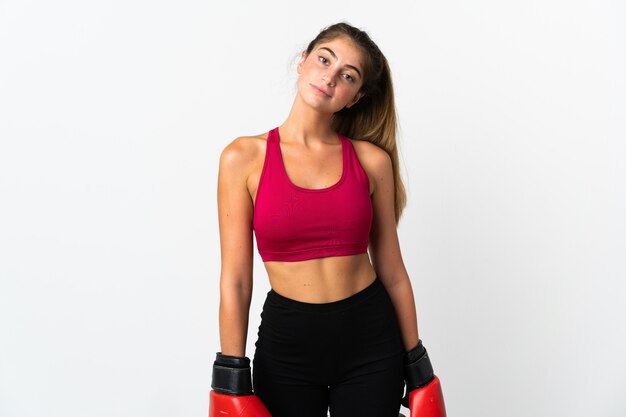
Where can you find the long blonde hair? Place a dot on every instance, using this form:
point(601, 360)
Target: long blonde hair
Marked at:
point(373, 118)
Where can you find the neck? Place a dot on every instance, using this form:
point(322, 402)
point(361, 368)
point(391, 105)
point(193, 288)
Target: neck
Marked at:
point(307, 126)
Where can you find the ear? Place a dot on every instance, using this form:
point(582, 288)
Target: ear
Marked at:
point(356, 98)
point(301, 62)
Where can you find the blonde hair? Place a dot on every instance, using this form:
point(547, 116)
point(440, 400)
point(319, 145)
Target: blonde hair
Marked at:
point(373, 118)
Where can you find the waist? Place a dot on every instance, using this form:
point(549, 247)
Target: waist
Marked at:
point(321, 280)
point(372, 288)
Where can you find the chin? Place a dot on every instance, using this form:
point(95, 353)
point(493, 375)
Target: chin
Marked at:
point(317, 104)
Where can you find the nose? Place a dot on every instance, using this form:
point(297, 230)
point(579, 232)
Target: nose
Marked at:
point(329, 78)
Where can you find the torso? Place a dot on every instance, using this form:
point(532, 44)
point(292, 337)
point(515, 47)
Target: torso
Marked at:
point(319, 280)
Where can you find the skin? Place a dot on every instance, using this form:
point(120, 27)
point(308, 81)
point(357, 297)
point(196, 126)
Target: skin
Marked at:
point(312, 157)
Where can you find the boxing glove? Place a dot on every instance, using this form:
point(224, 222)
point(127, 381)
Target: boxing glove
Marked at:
point(424, 397)
point(231, 393)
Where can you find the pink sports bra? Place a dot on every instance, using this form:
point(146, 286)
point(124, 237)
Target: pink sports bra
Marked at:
point(292, 223)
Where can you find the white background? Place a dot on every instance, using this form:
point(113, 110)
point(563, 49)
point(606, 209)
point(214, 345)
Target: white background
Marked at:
point(113, 115)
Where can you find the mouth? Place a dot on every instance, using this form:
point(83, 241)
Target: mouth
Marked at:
point(319, 90)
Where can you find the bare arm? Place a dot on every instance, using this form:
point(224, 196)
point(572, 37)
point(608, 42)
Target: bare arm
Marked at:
point(235, 223)
point(385, 249)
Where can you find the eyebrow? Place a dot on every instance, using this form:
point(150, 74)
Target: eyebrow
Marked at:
point(335, 56)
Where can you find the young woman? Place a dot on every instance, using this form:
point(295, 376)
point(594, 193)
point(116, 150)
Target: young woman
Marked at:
point(338, 329)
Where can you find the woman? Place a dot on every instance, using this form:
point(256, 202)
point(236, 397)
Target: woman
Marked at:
point(337, 330)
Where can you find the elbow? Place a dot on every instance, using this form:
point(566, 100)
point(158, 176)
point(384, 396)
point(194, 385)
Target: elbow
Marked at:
point(239, 287)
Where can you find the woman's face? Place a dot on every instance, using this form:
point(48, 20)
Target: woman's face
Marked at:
point(331, 76)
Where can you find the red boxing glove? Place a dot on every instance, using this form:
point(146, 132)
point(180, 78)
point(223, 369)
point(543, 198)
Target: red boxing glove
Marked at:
point(427, 401)
point(224, 405)
point(232, 389)
point(424, 395)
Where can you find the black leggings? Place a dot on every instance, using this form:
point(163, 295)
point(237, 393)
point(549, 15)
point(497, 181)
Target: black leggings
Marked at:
point(346, 355)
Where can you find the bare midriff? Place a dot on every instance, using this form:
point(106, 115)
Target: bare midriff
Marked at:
point(321, 280)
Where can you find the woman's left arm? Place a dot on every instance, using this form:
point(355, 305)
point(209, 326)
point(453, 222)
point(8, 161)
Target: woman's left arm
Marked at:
point(384, 246)
point(424, 396)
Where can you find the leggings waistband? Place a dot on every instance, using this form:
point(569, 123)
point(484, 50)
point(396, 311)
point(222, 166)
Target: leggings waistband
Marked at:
point(360, 296)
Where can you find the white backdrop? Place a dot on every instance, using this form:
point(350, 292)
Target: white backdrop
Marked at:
point(113, 116)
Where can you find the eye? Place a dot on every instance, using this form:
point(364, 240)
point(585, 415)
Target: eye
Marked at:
point(322, 59)
point(349, 77)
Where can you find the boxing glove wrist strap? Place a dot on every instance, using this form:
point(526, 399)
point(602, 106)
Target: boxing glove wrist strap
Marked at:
point(418, 371)
point(232, 361)
point(231, 375)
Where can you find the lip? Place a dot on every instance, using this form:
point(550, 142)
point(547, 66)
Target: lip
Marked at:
point(321, 92)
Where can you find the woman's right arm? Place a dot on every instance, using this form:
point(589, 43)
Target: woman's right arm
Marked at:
point(235, 212)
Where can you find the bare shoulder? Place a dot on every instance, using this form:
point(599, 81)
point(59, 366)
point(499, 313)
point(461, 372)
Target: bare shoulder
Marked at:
point(240, 156)
point(243, 147)
point(375, 160)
